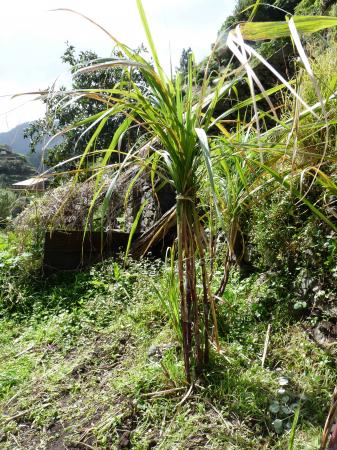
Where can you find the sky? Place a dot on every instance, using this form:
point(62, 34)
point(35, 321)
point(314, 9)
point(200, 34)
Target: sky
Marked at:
point(33, 38)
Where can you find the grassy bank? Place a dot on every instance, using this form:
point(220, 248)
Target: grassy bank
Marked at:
point(90, 361)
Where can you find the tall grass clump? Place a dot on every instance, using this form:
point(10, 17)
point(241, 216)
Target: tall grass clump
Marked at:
point(175, 119)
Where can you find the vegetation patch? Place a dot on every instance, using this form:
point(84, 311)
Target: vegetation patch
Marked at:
point(100, 367)
point(228, 342)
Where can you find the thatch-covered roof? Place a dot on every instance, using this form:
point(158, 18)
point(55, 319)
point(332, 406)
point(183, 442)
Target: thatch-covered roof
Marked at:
point(31, 184)
point(70, 206)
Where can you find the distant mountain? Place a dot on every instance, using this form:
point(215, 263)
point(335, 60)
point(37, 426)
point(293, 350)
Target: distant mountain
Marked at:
point(14, 138)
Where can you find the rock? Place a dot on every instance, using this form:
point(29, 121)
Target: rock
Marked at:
point(158, 351)
point(152, 350)
point(325, 334)
point(307, 285)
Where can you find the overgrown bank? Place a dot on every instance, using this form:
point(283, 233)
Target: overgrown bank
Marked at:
point(145, 355)
point(90, 360)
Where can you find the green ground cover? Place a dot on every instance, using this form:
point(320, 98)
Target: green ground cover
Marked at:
point(89, 360)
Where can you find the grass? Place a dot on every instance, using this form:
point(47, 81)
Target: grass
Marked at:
point(84, 363)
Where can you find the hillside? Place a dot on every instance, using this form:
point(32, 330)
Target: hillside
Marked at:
point(227, 341)
point(13, 167)
point(15, 139)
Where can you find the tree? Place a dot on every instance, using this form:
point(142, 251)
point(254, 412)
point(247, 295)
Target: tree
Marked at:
point(274, 10)
point(61, 113)
point(183, 63)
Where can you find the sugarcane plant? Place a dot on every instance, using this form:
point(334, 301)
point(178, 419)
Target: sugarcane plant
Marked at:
point(175, 124)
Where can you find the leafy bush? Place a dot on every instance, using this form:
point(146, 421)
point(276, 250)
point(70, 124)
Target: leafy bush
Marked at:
point(292, 246)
